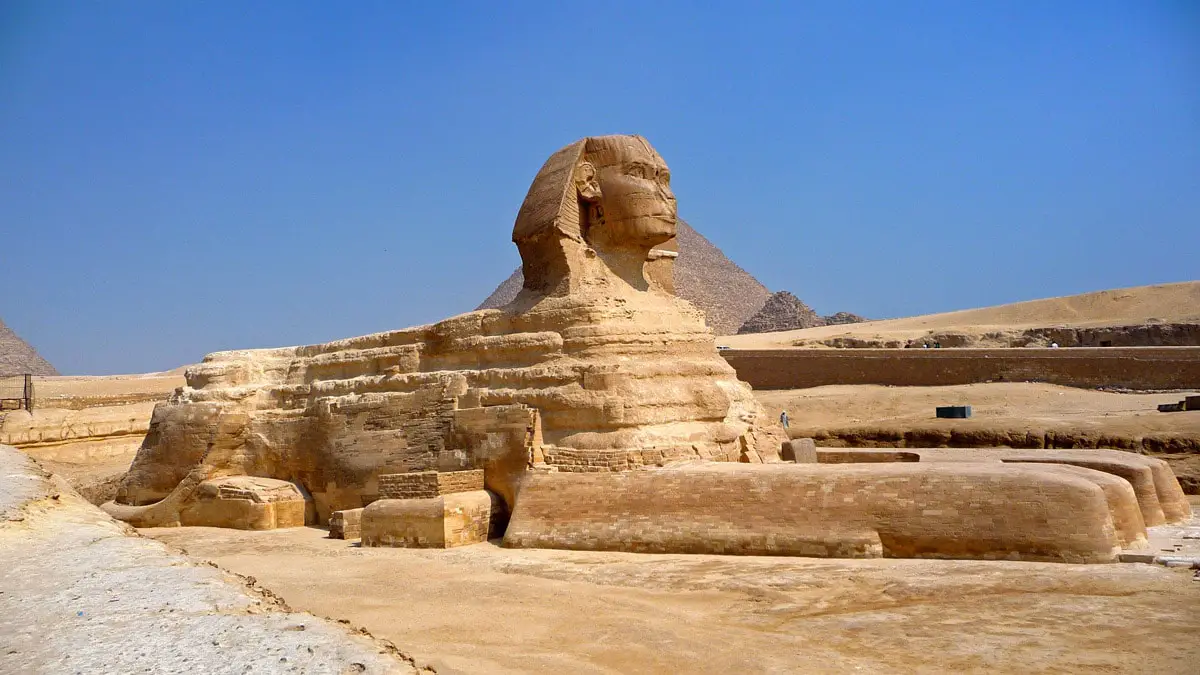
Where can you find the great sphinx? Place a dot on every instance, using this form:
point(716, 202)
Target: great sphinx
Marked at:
point(598, 410)
point(596, 365)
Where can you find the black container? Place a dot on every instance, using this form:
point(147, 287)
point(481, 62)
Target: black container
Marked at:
point(954, 412)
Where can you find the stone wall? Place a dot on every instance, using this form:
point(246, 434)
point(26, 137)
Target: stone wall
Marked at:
point(1122, 367)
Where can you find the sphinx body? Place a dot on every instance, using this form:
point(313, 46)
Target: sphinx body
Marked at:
point(600, 415)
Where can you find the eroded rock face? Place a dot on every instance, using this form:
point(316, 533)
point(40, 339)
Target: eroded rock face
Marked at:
point(595, 366)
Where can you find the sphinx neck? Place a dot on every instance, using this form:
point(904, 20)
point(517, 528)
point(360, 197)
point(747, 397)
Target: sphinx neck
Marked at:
point(629, 265)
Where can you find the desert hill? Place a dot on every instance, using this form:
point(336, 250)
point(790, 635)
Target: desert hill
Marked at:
point(18, 357)
point(1163, 308)
point(704, 276)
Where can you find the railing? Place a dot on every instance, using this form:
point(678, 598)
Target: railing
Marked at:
point(16, 393)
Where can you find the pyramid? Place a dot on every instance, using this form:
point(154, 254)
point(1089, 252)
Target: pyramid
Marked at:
point(704, 276)
point(784, 311)
point(18, 358)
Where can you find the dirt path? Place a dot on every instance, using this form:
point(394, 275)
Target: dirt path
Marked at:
point(487, 609)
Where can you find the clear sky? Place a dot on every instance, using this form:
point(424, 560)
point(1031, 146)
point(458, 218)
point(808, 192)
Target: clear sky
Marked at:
point(183, 177)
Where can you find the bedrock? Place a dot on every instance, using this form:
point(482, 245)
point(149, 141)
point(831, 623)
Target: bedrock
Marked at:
point(902, 510)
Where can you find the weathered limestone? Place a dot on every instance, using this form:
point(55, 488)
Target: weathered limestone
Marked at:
point(238, 502)
point(800, 451)
point(937, 510)
point(426, 484)
point(432, 509)
point(444, 521)
point(346, 524)
point(595, 366)
point(590, 407)
point(1159, 497)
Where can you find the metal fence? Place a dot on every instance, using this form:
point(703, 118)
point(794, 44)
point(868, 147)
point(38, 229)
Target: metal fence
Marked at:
point(16, 393)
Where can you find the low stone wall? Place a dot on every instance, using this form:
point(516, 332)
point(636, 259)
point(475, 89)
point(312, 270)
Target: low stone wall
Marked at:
point(1122, 367)
point(946, 510)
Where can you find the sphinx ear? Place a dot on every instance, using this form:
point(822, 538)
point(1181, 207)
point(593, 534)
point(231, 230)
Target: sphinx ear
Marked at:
point(585, 182)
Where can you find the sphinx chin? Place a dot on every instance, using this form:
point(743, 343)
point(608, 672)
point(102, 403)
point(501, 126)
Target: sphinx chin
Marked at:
point(592, 412)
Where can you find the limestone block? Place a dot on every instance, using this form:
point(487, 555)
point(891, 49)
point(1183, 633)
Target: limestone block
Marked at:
point(445, 521)
point(346, 524)
point(800, 451)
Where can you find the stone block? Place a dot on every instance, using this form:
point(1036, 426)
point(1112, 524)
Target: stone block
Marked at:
point(800, 451)
point(1191, 403)
point(346, 524)
point(444, 521)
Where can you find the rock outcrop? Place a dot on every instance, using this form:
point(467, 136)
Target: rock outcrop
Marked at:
point(784, 311)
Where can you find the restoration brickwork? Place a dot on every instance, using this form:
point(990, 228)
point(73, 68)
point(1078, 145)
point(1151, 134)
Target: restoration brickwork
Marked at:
point(425, 484)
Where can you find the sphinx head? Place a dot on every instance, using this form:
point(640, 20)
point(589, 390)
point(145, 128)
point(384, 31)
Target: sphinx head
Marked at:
point(602, 202)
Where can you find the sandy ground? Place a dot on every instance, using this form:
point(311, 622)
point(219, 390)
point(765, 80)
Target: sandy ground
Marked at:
point(1126, 306)
point(483, 608)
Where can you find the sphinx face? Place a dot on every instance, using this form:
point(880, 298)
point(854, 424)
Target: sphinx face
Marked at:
point(635, 207)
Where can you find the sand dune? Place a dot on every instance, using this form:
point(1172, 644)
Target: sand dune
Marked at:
point(1165, 303)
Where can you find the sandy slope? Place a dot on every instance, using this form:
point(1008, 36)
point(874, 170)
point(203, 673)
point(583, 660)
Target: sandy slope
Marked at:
point(1179, 302)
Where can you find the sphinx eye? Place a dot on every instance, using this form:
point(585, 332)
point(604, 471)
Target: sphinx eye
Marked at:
point(638, 171)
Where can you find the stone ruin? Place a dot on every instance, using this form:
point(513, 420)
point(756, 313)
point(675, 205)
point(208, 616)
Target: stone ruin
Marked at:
point(591, 412)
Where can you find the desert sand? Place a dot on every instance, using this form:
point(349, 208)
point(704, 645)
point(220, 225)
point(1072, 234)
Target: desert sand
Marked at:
point(483, 608)
point(1165, 303)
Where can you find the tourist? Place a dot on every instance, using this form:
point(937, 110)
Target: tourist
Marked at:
point(783, 419)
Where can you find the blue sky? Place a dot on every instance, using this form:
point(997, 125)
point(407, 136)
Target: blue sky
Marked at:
point(184, 177)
